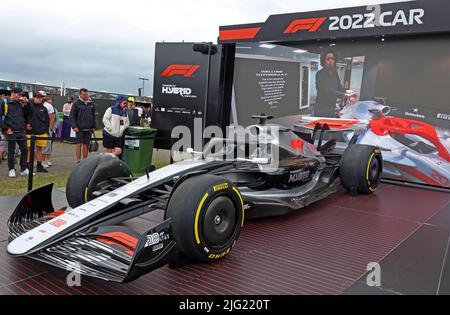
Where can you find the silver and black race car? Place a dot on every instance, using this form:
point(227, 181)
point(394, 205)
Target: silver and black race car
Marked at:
point(205, 199)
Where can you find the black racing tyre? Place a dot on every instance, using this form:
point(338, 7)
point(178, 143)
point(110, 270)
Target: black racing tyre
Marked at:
point(207, 215)
point(86, 177)
point(361, 169)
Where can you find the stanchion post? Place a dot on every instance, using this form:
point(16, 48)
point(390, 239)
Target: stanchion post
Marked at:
point(171, 150)
point(31, 163)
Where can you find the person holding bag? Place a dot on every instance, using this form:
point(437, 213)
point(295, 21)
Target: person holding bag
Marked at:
point(116, 121)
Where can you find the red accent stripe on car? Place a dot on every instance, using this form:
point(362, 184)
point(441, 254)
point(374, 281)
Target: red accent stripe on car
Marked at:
point(123, 240)
point(297, 144)
point(419, 175)
point(334, 124)
point(57, 213)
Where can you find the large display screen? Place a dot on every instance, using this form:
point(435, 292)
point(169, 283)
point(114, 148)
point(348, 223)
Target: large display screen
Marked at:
point(398, 89)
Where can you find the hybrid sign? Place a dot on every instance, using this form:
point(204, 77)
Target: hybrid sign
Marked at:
point(170, 89)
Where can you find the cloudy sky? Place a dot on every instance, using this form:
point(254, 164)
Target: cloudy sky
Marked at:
point(108, 45)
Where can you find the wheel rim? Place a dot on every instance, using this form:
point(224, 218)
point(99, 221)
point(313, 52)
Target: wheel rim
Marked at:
point(219, 222)
point(374, 173)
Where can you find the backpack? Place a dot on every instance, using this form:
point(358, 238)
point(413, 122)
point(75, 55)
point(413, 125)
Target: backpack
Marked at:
point(5, 109)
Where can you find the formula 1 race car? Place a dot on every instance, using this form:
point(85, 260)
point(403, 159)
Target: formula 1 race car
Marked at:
point(204, 198)
point(412, 150)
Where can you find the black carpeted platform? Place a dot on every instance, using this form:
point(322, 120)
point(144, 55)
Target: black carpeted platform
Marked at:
point(324, 249)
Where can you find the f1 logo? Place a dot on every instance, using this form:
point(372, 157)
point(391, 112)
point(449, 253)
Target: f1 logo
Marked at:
point(311, 25)
point(185, 70)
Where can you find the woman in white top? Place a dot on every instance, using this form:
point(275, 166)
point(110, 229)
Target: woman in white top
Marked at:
point(115, 121)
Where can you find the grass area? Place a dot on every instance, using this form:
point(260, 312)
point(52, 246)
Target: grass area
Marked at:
point(9, 186)
point(161, 163)
point(16, 186)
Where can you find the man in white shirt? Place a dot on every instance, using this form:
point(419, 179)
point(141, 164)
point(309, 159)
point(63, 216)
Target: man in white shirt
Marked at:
point(68, 107)
point(140, 111)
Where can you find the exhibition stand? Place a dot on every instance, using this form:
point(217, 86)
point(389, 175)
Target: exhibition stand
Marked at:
point(391, 69)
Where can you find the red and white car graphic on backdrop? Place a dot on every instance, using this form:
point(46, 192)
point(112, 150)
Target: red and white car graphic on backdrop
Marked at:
point(412, 150)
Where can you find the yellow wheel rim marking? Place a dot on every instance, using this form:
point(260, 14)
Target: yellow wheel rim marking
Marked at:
point(368, 171)
point(86, 194)
point(197, 218)
point(242, 204)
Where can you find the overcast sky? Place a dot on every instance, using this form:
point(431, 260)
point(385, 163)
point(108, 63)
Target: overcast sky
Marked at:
point(108, 45)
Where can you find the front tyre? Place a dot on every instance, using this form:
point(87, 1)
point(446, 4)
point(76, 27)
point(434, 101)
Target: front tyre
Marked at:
point(89, 175)
point(207, 215)
point(361, 169)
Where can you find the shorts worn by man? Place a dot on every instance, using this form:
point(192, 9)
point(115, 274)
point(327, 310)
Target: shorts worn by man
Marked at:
point(40, 124)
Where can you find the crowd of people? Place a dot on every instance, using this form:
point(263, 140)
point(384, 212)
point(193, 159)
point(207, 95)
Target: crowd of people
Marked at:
point(21, 119)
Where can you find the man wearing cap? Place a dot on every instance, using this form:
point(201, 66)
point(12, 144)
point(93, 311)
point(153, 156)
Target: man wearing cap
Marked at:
point(40, 125)
point(15, 119)
point(82, 120)
point(133, 113)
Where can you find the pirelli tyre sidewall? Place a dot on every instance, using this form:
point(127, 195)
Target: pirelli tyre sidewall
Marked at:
point(86, 176)
point(207, 215)
point(361, 169)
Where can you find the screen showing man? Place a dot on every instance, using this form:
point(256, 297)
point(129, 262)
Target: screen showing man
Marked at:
point(329, 87)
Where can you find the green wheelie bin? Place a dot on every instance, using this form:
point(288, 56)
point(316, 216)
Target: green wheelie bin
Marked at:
point(138, 153)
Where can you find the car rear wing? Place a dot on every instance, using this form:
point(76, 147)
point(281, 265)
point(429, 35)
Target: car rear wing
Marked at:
point(334, 124)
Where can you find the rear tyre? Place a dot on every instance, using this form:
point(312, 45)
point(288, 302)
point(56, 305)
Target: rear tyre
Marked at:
point(361, 169)
point(89, 175)
point(207, 214)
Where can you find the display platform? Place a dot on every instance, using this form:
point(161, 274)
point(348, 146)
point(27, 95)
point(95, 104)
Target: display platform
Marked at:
point(323, 249)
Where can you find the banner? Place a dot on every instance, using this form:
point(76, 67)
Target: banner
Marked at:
point(181, 80)
point(402, 18)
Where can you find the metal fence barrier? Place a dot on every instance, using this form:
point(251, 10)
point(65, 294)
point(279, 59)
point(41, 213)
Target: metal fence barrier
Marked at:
point(32, 149)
